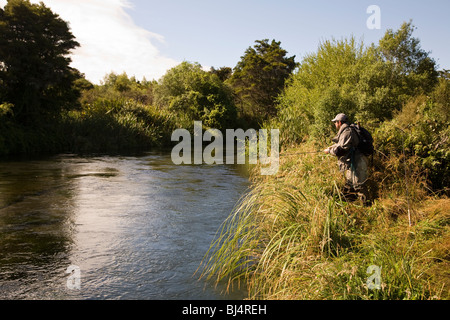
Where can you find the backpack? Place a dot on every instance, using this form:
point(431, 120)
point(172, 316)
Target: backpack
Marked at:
point(365, 145)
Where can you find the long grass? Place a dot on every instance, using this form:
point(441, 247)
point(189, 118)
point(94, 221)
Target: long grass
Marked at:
point(103, 126)
point(293, 236)
point(116, 125)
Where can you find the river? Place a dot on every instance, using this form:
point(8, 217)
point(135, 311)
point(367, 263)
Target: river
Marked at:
point(131, 227)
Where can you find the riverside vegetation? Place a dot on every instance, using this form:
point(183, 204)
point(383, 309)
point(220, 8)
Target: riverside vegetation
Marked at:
point(293, 235)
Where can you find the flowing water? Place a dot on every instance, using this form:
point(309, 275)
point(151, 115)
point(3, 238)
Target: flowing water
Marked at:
point(132, 227)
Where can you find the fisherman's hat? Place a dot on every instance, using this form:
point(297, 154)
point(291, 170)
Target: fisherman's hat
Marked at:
point(340, 117)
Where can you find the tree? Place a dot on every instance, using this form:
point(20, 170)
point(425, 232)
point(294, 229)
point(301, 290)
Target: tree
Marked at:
point(194, 94)
point(260, 76)
point(224, 73)
point(119, 87)
point(34, 64)
point(412, 66)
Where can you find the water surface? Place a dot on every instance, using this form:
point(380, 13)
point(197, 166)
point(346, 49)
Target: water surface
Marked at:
point(136, 226)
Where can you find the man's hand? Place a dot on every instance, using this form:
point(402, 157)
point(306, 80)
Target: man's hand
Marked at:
point(327, 150)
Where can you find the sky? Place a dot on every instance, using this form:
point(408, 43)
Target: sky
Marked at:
point(145, 38)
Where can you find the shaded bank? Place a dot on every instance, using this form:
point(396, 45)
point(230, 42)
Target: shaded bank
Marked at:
point(104, 126)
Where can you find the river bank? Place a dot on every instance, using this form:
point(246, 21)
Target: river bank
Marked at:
point(106, 126)
point(295, 237)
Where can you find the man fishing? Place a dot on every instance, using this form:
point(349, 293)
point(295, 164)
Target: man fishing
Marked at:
point(352, 163)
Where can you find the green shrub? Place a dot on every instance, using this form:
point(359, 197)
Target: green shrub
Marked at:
point(422, 130)
point(196, 95)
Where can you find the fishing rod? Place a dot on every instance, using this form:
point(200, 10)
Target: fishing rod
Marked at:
point(300, 153)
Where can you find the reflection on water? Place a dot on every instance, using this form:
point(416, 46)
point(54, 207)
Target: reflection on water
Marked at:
point(137, 227)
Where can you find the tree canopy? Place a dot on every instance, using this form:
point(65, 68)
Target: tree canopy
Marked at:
point(368, 83)
point(413, 68)
point(195, 94)
point(35, 75)
point(259, 77)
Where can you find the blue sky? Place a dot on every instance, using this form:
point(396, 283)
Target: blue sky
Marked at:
point(145, 38)
point(216, 33)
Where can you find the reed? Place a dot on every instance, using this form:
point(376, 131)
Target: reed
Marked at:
point(111, 125)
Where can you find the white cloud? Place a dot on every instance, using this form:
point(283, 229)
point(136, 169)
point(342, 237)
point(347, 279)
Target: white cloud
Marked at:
point(110, 40)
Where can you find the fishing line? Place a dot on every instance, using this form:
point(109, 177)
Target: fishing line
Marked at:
point(300, 153)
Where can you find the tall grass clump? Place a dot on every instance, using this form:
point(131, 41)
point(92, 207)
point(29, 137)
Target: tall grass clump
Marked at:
point(116, 125)
point(293, 236)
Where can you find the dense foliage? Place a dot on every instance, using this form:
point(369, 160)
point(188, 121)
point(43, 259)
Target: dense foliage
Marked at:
point(368, 83)
point(194, 94)
point(35, 76)
point(421, 129)
point(259, 78)
point(394, 89)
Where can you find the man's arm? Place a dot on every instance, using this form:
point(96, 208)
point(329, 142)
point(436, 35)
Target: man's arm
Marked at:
point(343, 146)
